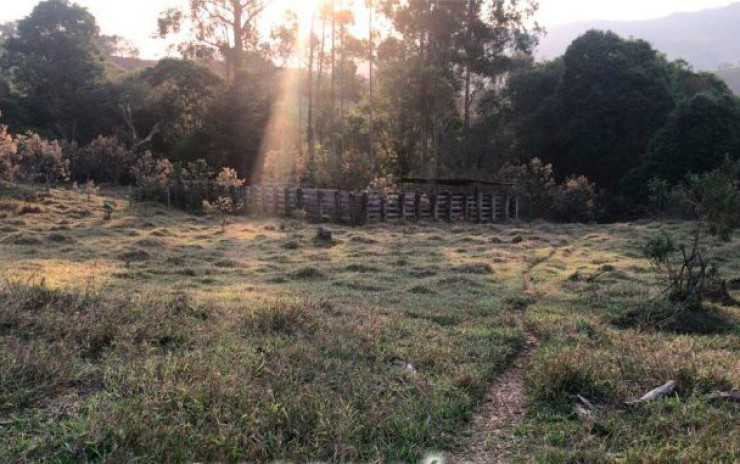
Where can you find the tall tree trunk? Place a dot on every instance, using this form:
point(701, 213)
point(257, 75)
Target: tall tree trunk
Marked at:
point(468, 44)
point(423, 47)
point(371, 86)
point(333, 96)
point(238, 52)
point(310, 123)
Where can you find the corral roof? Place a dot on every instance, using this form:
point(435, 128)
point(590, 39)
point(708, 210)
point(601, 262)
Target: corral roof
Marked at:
point(454, 182)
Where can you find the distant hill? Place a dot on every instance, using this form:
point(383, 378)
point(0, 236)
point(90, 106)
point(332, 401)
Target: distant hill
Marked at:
point(132, 64)
point(732, 77)
point(706, 39)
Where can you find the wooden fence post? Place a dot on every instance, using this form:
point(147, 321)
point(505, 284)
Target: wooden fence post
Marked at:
point(493, 207)
point(275, 201)
point(382, 207)
point(507, 206)
point(337, 206)
point(449, 206)
point(299, 198)
point(286, 192)
point(402, 205)
point(480, 207)
point(365, 211)
point(262, 201)
point(434, 205)
point(246, 198)
point(417, 206)
point(516, 206)
point(320, 205)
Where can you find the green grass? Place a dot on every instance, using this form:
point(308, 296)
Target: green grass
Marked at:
point(164, 338)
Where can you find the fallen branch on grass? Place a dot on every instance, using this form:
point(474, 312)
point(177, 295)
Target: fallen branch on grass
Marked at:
point(732, 395)
point(657, 393)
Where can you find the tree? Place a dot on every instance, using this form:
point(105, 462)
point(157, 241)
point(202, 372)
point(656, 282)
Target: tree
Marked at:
point(615, 96)
point(226, 27)
point(118, 46)
point(494, 41)
point(697, 137)
point(55, 65)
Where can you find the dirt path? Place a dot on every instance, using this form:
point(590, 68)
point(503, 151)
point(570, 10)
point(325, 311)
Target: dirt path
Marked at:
point(495, 421)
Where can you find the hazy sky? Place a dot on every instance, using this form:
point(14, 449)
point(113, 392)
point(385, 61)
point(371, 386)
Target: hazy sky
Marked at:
point(136, 19)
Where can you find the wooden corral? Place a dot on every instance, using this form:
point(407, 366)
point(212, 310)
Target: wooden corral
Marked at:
point(481, 205)
point(450, 201)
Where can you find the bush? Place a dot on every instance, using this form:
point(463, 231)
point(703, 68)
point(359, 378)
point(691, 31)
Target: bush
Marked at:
point(37, 160)
point(716, 198)
point(8, 150)
point(194, 171)
point(537, 186)
point(689, 271)
point(152, 176)
point(575, 200)
point(102, 160)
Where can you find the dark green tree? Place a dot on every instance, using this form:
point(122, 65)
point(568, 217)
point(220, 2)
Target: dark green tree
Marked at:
point(55, 66)
point(615, 95)
point(697, 137)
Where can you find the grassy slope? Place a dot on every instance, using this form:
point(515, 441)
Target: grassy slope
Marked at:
point(164, 338)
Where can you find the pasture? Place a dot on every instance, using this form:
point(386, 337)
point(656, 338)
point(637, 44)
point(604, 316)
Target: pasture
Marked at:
point(161, 337)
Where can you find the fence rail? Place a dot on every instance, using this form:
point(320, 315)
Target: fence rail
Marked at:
point(363, 207)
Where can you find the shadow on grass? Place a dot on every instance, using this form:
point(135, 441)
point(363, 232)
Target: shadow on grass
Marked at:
point(704, 321)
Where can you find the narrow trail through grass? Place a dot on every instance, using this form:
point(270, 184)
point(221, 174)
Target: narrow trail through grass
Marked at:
point(506, 399)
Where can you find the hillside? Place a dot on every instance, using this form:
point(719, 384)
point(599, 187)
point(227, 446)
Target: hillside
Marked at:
point(706, 39)
point(732, 77)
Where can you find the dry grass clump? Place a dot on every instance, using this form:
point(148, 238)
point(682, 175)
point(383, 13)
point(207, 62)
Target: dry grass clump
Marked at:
point(290, 245)
point(420, 289)
point(361, 268)
point(363, 239)
point(57, 237)
point(227, 263)
point(308, 273)
point(134, 255)
point(281, 317)
point(21, 238)
point(474, 268)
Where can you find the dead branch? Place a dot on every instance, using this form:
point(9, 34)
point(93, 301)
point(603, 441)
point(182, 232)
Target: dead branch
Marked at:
point(657, 393)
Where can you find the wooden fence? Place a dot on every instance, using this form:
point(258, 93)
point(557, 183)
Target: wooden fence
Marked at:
point(490, 205)
point(373, 206)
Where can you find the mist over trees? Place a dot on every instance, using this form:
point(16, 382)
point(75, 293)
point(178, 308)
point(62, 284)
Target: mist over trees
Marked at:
point(429, 89)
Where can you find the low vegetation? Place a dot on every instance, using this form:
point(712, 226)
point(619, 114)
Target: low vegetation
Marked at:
point(167, 338)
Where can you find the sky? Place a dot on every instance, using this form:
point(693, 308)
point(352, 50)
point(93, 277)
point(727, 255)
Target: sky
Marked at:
point(136, 19)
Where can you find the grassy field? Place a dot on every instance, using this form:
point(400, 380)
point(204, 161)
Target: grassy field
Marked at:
point(161, 337)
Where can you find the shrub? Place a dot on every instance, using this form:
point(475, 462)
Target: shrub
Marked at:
point(102, 160)
point(194, 171)
point(689, 272)
point(536, 183)
point(575, 200)
point(8, 150)
point(716, 198)
point(223, 206)
point(152, 176)
point(38, 160)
